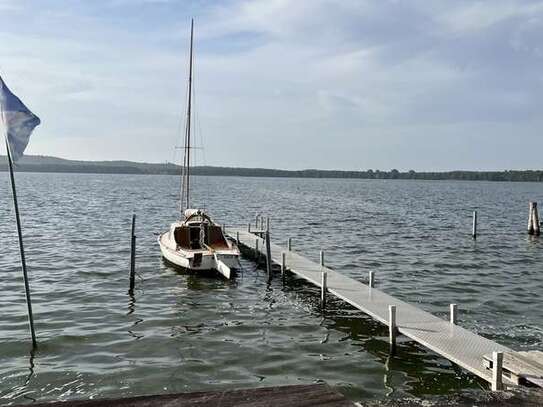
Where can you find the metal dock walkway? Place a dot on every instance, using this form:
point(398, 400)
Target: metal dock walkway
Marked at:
point(451, 341)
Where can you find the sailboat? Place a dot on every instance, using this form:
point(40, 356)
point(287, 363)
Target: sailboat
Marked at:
point(195, 242)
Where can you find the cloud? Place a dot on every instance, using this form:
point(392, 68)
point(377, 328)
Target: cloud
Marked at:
point(481, 15)
point(10, 5)
point(109, 79)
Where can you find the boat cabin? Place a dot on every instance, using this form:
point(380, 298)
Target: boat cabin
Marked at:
point(198, 232)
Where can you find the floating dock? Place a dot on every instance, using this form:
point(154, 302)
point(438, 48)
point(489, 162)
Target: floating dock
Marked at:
point(460, 346)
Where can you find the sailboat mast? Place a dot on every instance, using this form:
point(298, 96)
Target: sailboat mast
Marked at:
point(189, 114)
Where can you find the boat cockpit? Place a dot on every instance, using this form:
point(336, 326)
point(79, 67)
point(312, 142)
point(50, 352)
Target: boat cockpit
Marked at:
point(200, 236)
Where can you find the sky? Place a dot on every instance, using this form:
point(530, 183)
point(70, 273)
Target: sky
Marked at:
point(351, 84)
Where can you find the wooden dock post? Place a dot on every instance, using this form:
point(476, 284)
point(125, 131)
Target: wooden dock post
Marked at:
point(267, 223)
point(321, 258)
point(454, 314)
point(289, 244)
point(256, 220)
point(237, 238)
point(497, 369)
point(533, 220)
point(323, 281)
point(283, 265)
point(371, 279)
point(257, 253)
point(392, 329)
point(249, 228)
point(132, 256)
point(474, 229)
point(268, 255)
point(530, 218)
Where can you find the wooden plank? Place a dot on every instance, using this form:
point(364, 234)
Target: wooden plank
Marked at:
point(320, 395)
point(453, 342)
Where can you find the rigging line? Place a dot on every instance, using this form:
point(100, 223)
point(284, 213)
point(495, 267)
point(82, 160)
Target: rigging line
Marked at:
point(189, 113)
point(199, 136)
point(182, 189)
point(186, 156)
point(182, 180)
point(206, 179)
point(194, 132)
point(184, 172)
point(178, 131)
point(182, 125)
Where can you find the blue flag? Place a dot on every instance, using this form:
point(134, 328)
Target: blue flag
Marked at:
point(18, 121)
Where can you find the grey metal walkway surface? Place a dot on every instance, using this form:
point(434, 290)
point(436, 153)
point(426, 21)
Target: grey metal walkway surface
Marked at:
point(453, 342)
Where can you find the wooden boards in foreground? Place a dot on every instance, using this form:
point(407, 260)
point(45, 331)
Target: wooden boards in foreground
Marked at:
point(318, 395)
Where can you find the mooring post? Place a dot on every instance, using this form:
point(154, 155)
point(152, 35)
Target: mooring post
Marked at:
point(132, 255)
point(454, 314)
point(268, 256)
point(237, 237)
point(283, 265)
point(535, 219)
point(321, 258)
point(392, 330)
point(497, 369)
point(257, 253)
point(372, 279)
point(323, 280)
point(474, 229)
point(267, 223)
point(262, 223)
point(256, 220)
point(249, 228)
point(289, 244)
point(530, 218)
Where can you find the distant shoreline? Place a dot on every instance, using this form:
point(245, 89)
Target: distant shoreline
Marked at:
point(59, 165)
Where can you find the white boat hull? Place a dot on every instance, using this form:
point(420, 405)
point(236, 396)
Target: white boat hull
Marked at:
point(223, 261)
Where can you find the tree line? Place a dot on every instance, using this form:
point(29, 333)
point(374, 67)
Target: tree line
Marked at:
point(142, 168)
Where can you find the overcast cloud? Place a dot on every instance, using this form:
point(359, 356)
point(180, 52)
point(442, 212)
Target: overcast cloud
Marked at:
point(423, 85)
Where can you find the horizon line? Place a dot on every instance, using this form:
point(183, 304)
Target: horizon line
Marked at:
point(376, 170)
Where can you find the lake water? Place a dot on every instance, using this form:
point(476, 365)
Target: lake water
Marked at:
point(188, 333)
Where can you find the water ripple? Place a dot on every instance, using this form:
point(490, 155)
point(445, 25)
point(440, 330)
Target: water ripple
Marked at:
point(182, 332)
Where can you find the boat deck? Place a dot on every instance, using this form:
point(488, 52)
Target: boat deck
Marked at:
point(451, 341)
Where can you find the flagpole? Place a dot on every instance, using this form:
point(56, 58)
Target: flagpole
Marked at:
point(19, 231)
